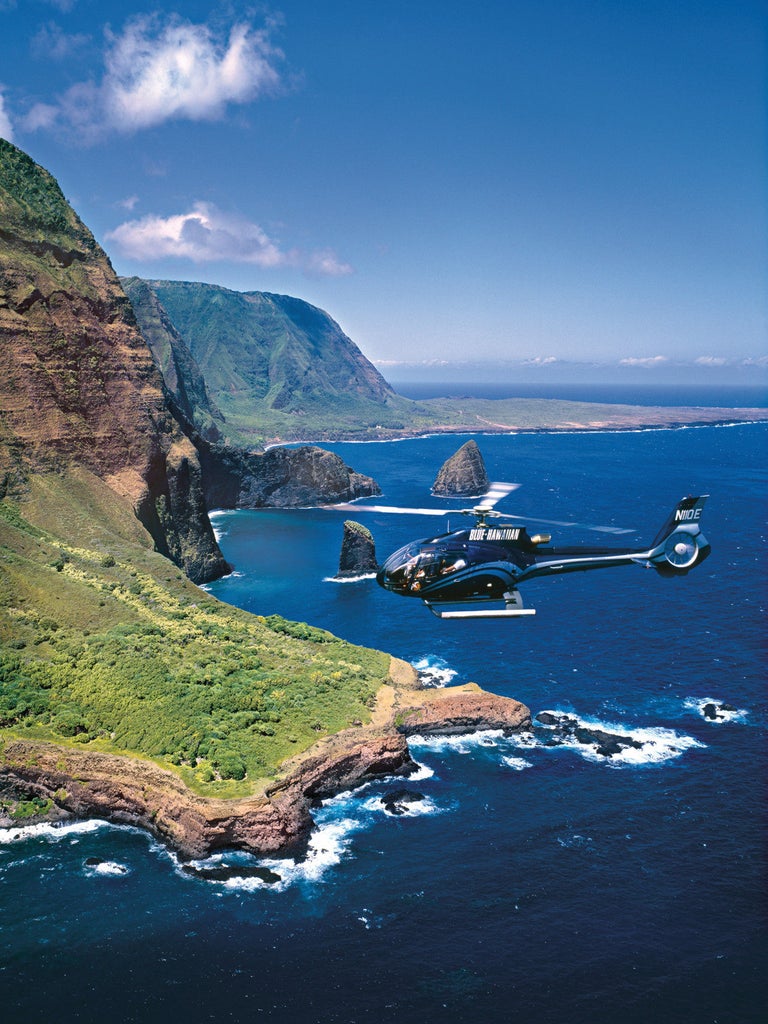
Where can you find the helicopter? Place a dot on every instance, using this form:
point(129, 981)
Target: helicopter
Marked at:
point(486, 562)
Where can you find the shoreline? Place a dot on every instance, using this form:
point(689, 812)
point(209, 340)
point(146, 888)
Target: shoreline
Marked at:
point(275, 817)
point(674, 419)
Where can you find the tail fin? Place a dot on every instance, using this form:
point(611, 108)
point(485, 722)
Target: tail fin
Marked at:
point(680, 544)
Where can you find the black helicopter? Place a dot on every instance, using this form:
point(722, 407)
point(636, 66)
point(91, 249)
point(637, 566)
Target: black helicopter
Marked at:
point(487, 562)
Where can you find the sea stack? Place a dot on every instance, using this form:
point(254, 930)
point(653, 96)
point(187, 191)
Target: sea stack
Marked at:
point(358, 551)
point(463, 474)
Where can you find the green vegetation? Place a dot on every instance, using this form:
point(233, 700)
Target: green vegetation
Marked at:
point(116, 651)
point(274, 366)
point(34, 198)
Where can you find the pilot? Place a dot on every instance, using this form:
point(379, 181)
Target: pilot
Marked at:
point(452, 566)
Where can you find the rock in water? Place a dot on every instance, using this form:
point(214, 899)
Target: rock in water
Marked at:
point(358, 551)
point(463, 474)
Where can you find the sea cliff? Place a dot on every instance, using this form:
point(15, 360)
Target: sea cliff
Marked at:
point(275, 818)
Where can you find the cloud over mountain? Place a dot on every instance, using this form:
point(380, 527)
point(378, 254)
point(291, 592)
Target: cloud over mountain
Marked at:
point(160, 70)
point(206, 234)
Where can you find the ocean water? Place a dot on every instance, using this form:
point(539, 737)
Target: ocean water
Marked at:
point(726, 396)
point(523, 880)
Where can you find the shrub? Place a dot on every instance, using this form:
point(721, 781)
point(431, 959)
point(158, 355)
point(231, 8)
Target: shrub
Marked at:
point(230, 766)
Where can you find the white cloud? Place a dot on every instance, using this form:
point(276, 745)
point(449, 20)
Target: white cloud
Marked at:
point(205, 234)
point(649, 361)
point(51, 42)
point(6, 128)
point(326, 264)
point(539, 361)
point(711, 361)
point(158, 71)
point(418, 362)
point(128, 203)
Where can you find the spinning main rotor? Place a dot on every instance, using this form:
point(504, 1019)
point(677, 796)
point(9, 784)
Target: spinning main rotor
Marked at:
point(482, 511)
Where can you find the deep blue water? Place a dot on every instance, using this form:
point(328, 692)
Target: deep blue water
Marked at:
point(727, 396)
point(547, 884)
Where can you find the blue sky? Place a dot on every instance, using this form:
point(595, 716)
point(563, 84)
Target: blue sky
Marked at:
point(529, 180)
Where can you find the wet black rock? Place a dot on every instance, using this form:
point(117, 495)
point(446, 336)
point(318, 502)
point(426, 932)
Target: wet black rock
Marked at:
point(223, 872)
point(561, 728)
point(396, 800)
point(715, 711)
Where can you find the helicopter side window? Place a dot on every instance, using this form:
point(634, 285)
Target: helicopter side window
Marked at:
point(452, 562)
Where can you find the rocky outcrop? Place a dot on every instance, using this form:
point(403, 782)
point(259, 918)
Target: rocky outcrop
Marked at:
point(86, 784)
point(463, 474)
point(358, 550)
point(279, 478)
point(129, 791)
point(461, 709)
point(78, 385)
point(564, 729)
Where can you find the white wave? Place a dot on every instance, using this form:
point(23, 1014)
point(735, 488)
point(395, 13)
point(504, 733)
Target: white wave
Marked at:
point(349, 579)
point(574, 842)
point(423, 771)
point(714, 710)
point(216, 518)
point(209, 588)
point(405, 809)
point(518, 764)
point(464, 743)
point(646, 745)
point(433, 671)
point(326, 848)
point(50, 832)
point(110, 868)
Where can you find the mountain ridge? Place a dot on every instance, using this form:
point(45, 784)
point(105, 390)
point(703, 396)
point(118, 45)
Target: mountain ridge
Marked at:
point(275, 366)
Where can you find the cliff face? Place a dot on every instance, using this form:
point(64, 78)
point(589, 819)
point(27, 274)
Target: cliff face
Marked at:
point(180, 371)
point(274, 366)
point(78, 385)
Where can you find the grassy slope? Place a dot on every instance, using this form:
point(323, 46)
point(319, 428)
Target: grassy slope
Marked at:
point(105, 644)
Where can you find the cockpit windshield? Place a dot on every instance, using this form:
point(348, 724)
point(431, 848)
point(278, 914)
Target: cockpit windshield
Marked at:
point(417, 564)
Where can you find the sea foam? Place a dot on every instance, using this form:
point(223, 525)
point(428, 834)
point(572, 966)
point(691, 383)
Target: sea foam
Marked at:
point(50, 833)
point(645, 744)
point(434, 671)
point(714, 710)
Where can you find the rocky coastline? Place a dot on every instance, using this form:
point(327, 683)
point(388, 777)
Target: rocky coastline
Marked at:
point(276, 818)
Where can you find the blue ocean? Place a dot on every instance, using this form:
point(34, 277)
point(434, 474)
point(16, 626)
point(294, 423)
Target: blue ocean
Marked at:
point(525, 881)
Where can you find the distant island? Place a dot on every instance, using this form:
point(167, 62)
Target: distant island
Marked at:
point(128, 411)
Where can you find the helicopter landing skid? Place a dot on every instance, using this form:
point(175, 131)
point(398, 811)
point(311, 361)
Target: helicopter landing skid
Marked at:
point(513, 606)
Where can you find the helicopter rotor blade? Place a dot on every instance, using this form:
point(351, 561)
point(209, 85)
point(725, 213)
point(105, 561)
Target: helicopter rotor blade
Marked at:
point(557, 522)
point(393, 509)
point(496, 491)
